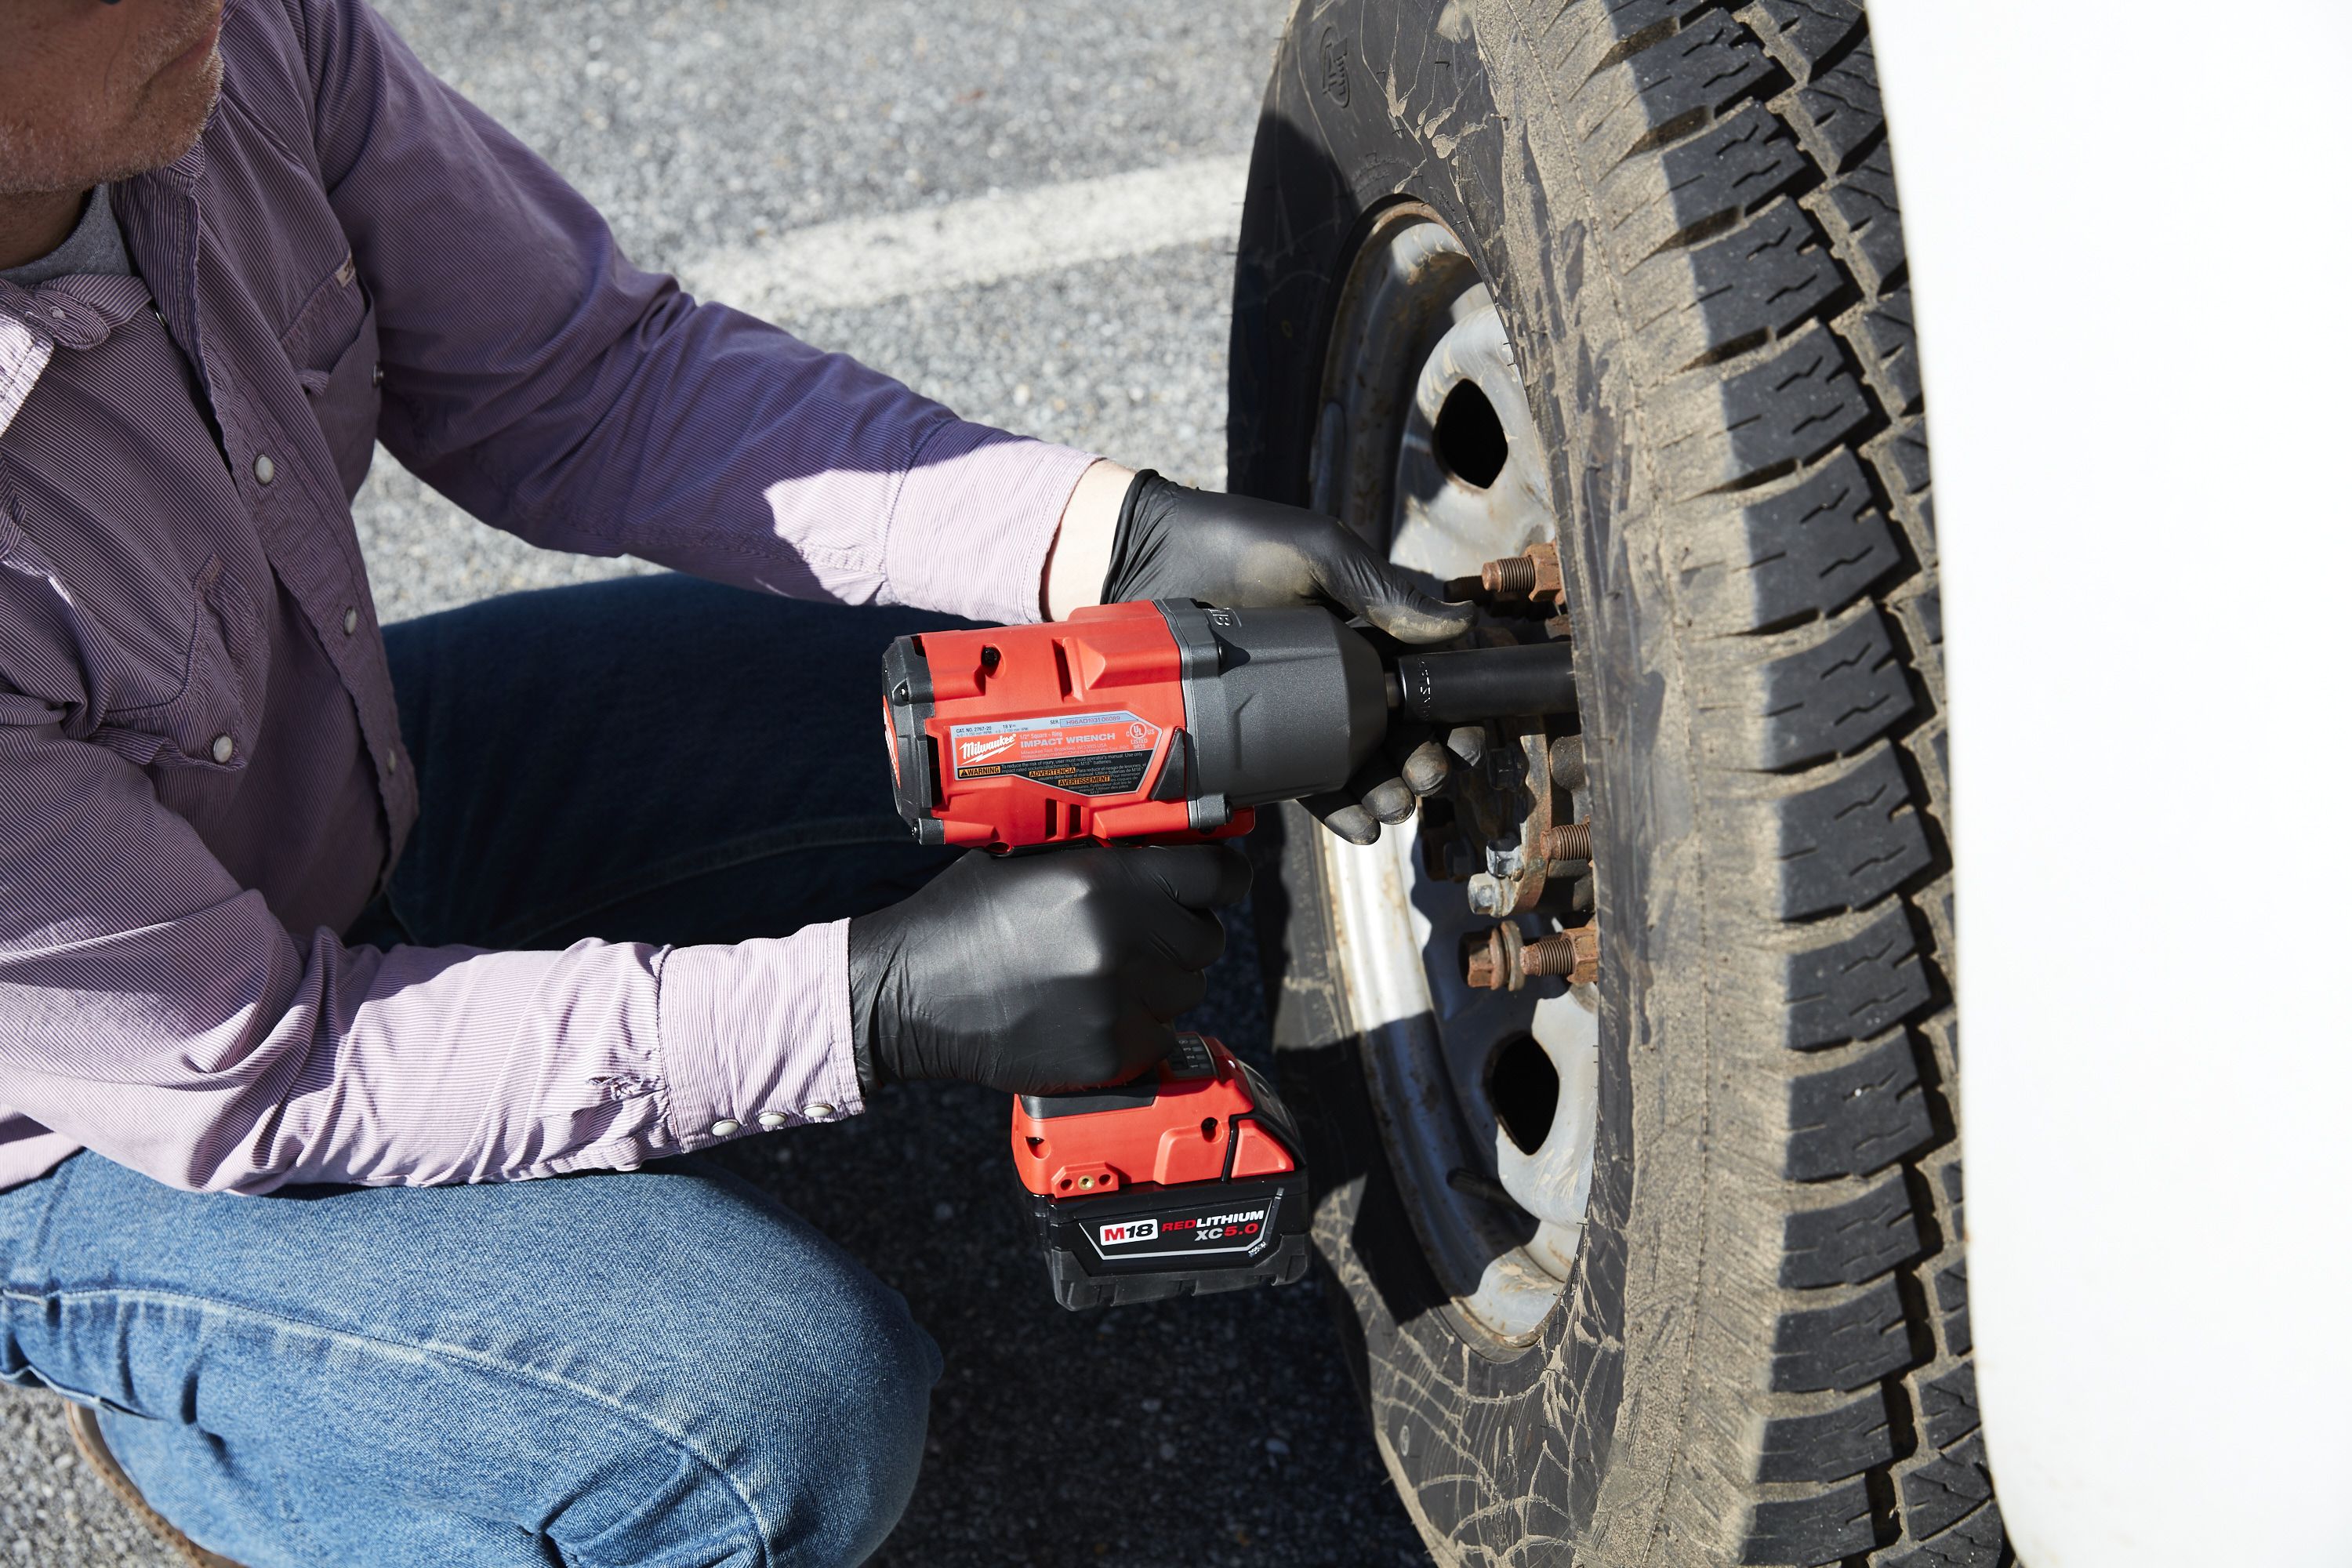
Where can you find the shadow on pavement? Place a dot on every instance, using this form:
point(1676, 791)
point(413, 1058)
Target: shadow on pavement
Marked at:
point(1217, 1430)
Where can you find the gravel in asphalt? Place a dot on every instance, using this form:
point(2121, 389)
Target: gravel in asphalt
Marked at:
point(1199, 1432)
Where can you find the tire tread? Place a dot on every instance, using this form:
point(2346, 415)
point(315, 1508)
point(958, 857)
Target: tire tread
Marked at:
point(1860, 1115)
point(1850, 840)
point(1746, 215)
point(1852, 1240)
point(1798, 550)
point(1844, 1439)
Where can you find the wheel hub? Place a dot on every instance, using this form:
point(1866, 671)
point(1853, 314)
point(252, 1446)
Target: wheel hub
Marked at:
point(1486, 1093)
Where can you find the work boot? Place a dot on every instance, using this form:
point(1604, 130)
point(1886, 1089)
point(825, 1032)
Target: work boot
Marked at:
point(83, 1422)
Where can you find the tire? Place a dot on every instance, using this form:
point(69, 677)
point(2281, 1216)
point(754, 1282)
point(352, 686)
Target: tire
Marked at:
point(1686, 216)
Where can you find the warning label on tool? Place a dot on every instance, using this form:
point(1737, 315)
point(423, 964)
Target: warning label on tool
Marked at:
point(1086, 753)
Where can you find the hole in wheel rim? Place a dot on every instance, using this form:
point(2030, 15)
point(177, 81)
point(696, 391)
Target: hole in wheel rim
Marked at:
point(1468, 437)
point(1524, 1089)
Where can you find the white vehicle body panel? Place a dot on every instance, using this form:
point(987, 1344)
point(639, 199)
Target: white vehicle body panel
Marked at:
point(2130, 252)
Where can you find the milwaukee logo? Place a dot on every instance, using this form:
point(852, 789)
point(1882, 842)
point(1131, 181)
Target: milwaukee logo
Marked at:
point(1130, 1230)
point(980, 751)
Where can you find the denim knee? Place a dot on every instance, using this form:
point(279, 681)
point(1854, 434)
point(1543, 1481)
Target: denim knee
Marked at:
point(658, 1368)
point(826, 1428)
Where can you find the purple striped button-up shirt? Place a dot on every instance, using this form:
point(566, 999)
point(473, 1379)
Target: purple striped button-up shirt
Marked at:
point(201, 780)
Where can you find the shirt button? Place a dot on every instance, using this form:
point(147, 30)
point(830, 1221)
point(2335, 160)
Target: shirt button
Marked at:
point(376, 376)
point(818, 1112)
point(725, 1129)
point(264, 470)
point(771, 1119)
point(224, 748)
point(392, 759)
point(58, 311)
point(350, 622)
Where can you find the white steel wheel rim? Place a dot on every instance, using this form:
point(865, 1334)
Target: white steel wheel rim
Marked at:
point(1500, 1224)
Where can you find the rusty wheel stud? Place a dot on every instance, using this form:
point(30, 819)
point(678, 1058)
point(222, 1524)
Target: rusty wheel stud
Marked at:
point(1533, 574)
point(1501, 959)
point(1569, 841)
point(1512, 577)
point(1574, 956)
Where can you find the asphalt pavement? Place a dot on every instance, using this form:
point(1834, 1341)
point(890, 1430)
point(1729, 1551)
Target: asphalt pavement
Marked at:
point(763, 149)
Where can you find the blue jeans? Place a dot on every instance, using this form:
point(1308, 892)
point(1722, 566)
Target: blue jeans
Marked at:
point(656, 1369)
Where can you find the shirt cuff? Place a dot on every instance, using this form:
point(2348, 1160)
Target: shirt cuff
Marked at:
point(974, 521)
point(755, 1036)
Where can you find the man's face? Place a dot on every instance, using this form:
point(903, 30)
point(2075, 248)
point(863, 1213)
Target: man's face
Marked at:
point(92, 92)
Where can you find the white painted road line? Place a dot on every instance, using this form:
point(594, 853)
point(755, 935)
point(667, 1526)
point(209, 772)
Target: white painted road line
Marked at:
point(983, 240)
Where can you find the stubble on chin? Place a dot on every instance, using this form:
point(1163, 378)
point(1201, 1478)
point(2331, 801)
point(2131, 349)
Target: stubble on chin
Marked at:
point(159, 131)
point(175, 115)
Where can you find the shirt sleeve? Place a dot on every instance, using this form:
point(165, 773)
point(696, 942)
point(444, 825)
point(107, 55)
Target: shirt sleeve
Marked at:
point(539, 380)
point(154, 1010)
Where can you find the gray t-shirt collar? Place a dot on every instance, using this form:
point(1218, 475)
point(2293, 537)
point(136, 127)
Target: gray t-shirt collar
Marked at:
point(95, 247)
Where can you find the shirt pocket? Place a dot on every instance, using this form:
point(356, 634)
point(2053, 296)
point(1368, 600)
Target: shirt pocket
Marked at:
point(334, 348)
point(212, 725)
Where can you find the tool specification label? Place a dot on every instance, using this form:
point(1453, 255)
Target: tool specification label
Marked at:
point(1187, 1231)
point(1086, 753)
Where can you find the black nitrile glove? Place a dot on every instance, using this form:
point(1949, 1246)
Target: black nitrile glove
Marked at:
point(1036, 973)
point(1179, 543)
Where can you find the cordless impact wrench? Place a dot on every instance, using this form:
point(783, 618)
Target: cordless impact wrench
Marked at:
point(1165, 722)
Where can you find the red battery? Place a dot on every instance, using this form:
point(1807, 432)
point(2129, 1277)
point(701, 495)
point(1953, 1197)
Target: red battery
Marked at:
point(1188, 1180)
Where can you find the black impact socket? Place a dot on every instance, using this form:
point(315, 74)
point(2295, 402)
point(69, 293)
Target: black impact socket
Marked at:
point(1486, 683)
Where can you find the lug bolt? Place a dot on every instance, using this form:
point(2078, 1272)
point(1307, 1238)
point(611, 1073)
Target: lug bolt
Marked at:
point(1569, 841)
point(1485, 965)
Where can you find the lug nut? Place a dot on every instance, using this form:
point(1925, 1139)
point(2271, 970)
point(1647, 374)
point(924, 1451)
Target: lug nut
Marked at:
point(1503, 960)
point(1567, 759)
point(1569, 841)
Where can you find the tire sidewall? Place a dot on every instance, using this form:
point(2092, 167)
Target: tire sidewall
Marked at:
point(1552, 1420)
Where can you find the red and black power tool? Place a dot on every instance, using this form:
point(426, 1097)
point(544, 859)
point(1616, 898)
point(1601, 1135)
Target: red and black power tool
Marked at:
point(1186, 1181)
point(1165, 722)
